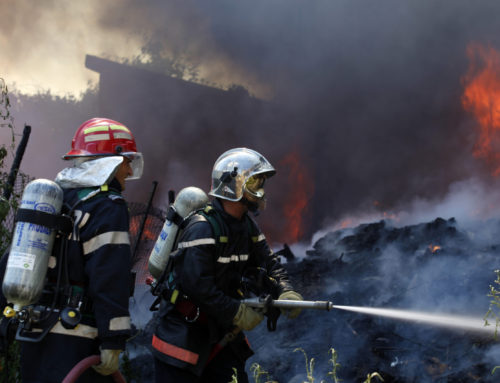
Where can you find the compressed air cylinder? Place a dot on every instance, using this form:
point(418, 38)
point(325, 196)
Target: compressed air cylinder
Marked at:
point(32, 245)
point(188, 200)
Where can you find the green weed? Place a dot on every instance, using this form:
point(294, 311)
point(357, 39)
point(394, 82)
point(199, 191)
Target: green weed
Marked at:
point(333, 360)
point(258, 372)
point(369, 377)
point(493, 310)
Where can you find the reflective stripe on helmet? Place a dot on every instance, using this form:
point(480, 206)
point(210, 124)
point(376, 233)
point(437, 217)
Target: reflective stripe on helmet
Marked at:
point(174, 351)
point(109, 238)
point(119, 127)
point(123, 135)
point(103, 128)
point(97, 137)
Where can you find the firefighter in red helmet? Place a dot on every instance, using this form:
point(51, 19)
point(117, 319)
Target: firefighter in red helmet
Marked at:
point(90, 272)
point(102, 137)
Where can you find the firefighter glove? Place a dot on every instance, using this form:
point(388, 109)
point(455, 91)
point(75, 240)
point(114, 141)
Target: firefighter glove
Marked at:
point(292, 296)
point(247, 318)
point(109, 362)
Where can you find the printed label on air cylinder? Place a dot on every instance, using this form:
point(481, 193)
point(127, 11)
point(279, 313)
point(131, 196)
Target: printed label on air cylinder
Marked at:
point(23, 261)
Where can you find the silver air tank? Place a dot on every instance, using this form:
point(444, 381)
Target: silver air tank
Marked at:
point(188, 200)
point(32, 245)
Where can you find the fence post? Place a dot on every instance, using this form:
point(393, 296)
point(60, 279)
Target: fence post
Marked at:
point(143, 223)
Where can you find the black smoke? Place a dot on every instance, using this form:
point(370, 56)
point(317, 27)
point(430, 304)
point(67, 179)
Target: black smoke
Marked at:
point(369, 95)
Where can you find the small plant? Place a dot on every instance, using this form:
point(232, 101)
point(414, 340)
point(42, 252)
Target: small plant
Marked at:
point(6, 122)
point(369, 377)
point(493, 311)
point(333, 360)
point(258, 372)
point(9, 363)
point(309, 366)
point(6, 119)
point(235, 376)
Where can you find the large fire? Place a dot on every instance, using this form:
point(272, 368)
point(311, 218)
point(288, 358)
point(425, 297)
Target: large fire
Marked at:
point(482, 98)
point(299, 192)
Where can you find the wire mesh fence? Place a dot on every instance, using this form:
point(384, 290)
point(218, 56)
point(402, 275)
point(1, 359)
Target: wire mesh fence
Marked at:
point(8, 222)
point(21, 181)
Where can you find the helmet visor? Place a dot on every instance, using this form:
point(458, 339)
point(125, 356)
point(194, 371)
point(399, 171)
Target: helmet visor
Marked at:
point(255, 185)
point(136, 164)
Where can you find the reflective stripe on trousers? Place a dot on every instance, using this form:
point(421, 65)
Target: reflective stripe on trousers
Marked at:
point(174, 351)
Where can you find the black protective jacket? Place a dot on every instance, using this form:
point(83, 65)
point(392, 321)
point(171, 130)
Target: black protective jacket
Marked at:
point(210, 279)
point(99, 260)
point(98, 268)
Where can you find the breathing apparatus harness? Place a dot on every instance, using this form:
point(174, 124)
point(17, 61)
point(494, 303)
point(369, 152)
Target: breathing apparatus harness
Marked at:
point(60, 300)
point(255, 281)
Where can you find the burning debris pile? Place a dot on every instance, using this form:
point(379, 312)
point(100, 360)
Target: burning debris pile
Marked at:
point(437, 267)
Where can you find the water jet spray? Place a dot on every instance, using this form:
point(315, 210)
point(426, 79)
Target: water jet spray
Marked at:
point(451, 321)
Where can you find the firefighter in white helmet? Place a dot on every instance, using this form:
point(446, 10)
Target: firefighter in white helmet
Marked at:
point(200, 309)
point(84, 306)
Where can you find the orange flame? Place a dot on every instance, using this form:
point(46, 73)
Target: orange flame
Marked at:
point(152, 227)
point(300, 191)
point(482, 98)
point(434, 248)
point(386, 214)
point(148, 232)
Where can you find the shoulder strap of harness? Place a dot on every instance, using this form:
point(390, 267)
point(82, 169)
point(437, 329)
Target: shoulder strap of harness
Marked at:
point(210, 213)
point(219, 228)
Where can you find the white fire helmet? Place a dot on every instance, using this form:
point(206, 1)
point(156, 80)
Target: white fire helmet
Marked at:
point(241, 172)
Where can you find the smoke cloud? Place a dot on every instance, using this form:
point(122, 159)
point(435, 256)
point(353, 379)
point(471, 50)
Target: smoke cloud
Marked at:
point(372, 92)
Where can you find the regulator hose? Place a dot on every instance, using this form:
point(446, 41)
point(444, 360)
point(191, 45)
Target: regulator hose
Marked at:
point(84, 364)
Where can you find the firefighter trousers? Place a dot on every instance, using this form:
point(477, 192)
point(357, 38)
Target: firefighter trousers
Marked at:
point(220, 369)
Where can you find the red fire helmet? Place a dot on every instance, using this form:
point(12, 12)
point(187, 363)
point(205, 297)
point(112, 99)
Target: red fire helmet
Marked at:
point(104, 137)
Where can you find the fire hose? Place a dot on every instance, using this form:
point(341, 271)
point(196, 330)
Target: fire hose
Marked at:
point(264, 303)
point(84, 364)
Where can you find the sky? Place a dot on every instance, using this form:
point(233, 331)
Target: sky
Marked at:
point(44, 44)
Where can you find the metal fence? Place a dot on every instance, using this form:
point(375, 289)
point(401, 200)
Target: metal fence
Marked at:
point(150, 226)
point(17, 191)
